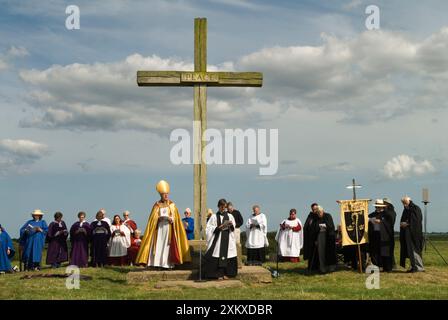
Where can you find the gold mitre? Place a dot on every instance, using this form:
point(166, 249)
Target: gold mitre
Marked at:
point(163, 187)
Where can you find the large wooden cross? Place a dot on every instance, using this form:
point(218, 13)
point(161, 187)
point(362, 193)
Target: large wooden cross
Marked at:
point(200, 79)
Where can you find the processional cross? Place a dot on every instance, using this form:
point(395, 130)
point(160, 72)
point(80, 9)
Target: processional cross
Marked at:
point(354, 186)
point(200, 79)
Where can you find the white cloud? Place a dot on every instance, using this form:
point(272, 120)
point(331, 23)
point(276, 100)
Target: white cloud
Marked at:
point(17, 52)
point(404, 166)
point(18, 155)
point(353, 4)
point(105, 96)
point(12, 53)
point(374, 76)
point(23, 148)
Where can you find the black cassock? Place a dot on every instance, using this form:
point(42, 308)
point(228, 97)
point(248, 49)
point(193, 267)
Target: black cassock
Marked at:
point(238, 218)
point(217, 267)
point(381, 241)
point(411, 238)
point(100, 239)
point(307, 255)
point(390, 209)
point(311, 232)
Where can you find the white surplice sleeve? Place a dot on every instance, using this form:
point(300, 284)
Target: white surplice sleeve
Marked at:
point(212, 224)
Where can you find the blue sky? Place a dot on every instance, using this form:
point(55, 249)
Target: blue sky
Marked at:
point(76, 133)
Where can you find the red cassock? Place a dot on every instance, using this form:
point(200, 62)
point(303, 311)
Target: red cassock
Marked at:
point(131, 225)
point(133, 250)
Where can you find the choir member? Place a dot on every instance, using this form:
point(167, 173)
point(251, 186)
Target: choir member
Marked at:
point(32, 239)
point(321, 234)
point(80, 233)
point(221, 255)
point(135, 247)
point(239, 221)
point(290, 238)
point(381, 230)
point(164, 242)
point(120, 241)
point(6, 251)
point(411, 235)
point(57, 235)
point(128, 222)
point(256, 241)
point(100, 240)
point(188, 222)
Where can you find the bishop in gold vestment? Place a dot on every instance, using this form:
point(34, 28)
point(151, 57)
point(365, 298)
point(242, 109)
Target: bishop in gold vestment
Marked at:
point(164, 242)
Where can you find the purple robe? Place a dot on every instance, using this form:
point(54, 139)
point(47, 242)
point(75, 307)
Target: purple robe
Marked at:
point(79, 255)
point(100, 240)
point(57, 243)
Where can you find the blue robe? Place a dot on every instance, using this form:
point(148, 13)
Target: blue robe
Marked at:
point(190, 228)
point(33, 242)
point(5, 244)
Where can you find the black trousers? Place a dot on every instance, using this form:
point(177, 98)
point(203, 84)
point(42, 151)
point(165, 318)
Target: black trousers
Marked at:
point(213, 271)
point(256, 256)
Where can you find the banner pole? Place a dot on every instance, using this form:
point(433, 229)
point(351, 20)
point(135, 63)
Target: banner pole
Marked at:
point(359, 245)
point(359, 258)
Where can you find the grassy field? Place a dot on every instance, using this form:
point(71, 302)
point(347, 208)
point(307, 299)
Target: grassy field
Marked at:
point(293, 283)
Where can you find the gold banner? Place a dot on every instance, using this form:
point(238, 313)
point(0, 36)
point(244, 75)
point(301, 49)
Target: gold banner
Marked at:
point(354, 221)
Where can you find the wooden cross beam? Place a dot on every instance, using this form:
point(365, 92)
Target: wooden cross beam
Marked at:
point(200, 79)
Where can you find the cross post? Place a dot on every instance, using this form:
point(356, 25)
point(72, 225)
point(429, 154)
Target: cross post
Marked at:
point(199, 79)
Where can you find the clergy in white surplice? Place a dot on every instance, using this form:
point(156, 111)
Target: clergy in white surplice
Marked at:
point(119, 242)
point(164, 243)
point(290, 238)
point(221, 255)
point(256, 241)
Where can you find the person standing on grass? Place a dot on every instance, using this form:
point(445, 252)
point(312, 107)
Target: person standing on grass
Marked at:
point(321, 235)
point(411, 236)
point(381, 230)
point(80, 233)
point(220, 261)
point(100, 241)
point(57, 235)
point(308, 247)
point(290, 238)
point(120, 241)
point(256, 241)
point(32, 240)
point(164, 242)
point(6, 251)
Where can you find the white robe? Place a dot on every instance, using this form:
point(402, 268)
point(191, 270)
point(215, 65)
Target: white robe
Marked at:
point(210, 236)
point(257, 238)
point(289, 242)
point(118, 245)
point(160, 258)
